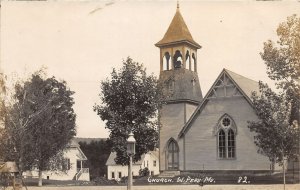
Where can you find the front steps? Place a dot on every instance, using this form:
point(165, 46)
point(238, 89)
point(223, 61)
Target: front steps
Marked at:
point(169, 174)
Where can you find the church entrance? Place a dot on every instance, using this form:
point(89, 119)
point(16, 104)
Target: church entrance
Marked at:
point(173, 156)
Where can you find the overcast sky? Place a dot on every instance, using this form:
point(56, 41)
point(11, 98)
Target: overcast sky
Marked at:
point(80, 42)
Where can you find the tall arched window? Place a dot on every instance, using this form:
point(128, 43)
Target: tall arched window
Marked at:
point(222, 144)
point(226, 132)
point(187, 60)
point(231, 144)
point(166, 61)
point(173, 155)
point(193, 63)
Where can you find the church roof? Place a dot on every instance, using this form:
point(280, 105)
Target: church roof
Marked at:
point(247, 85)
point(177, 32)
point(244, 84)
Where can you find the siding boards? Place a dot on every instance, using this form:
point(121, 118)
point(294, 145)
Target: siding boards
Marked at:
point(201, 142)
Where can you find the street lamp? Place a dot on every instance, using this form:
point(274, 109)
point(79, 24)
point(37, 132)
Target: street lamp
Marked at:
point(130, 151)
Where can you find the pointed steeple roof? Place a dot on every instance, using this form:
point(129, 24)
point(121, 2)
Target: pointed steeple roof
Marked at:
point(177, 32)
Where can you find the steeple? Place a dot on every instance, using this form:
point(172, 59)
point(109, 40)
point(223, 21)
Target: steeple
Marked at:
point(178, 62)
point(177, 32)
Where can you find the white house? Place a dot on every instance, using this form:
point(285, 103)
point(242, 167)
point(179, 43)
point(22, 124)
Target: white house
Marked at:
point(149, 160)
point(74, 159)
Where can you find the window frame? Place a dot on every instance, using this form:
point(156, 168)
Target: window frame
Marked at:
point(113, 175)
point(154, 163)
point(230, 139)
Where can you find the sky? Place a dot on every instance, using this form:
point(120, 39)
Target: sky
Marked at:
point(81, 41)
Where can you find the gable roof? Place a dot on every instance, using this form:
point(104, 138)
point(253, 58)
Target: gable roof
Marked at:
point(111, 159)
point(177, 32)
point(245, 85)
point(74, 144)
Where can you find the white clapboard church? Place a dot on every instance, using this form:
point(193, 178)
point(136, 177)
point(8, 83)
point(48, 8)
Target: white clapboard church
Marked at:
point(203, 133)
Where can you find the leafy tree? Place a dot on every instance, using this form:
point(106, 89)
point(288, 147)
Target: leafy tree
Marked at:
point(39, 123)
point(2, 95)
point(283, 61)
point(130, 103)
point(277, 131)
point(97, 153)
point(2, 110)
point(275, 136)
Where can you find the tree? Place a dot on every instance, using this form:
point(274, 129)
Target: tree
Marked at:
point(2, 110)
point(97, 153)
point(283, 62)
point(39, 123)
point(130, 103)
point(277, 131)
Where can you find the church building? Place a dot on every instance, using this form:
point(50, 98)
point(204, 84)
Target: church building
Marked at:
point(203, 133)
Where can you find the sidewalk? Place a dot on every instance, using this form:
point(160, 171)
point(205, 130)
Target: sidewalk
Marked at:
point(175, 187)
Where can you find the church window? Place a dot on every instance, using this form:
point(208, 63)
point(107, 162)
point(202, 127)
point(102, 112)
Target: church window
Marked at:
point(166, 61)
point(231, 144)
point(177, 60)
point(226, 122)
point(226, 132)
point(222, 146)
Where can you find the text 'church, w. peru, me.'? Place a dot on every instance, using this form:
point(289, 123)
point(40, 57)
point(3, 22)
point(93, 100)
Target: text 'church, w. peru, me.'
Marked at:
point(203, 133)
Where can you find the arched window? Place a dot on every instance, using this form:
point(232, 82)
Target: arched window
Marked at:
point(166, 61)
point(193, 63)
point(187, 60)
point(222, 144)
point(173, 155)
point(231, 144)
point(226, 132)
point(177, 59)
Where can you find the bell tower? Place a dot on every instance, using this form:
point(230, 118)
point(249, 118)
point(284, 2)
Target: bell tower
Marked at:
point(178, 62)
point(178, 76)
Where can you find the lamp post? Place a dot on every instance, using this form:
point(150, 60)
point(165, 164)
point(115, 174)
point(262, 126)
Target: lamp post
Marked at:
point(130, 151)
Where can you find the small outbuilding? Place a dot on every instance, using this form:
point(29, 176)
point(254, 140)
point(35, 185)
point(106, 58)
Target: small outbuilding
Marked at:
point(9, 173)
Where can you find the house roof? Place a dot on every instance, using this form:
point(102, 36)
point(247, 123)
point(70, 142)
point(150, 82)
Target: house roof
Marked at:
point(177, 32)
point(74, 144)
point(244, 84)
point(8, 167)
point(111, 159)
